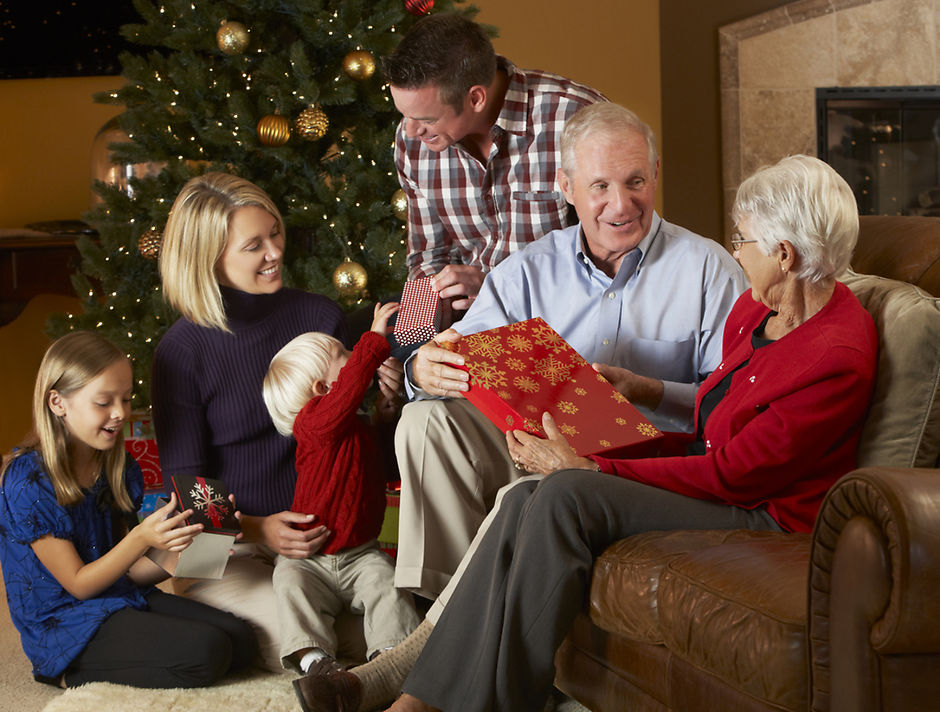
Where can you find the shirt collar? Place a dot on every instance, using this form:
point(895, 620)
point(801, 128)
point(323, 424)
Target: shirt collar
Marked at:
point(514, 116)
point(642, 249)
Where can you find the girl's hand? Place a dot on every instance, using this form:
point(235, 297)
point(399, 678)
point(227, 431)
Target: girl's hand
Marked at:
point(542, 456)
point(165, 530)
point(380, 316)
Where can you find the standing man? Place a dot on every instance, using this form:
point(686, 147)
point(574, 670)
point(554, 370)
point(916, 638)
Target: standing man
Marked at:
point(477, 151)
point(643, 299)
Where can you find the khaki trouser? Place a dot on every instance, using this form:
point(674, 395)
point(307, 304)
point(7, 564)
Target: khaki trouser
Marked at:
point(312, 593)
point(453, 461)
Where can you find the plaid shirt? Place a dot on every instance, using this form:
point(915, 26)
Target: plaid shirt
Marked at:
point(461, 211)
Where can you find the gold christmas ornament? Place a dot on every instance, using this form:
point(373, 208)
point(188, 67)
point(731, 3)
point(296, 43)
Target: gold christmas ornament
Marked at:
point(149, 243)
point(232, 37)
point(312, 123)
point(350, 278)
point(359, 64)
point(273, 130)
point(400, 205)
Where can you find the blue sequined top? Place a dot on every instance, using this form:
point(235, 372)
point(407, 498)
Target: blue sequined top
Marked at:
point(55, 626)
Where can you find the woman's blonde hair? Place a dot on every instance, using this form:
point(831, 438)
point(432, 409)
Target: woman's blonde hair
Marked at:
point(292, 372)
point(194, 239)
point(71, 363)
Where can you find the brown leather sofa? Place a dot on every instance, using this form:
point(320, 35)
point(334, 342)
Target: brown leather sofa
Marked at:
point(846, 618)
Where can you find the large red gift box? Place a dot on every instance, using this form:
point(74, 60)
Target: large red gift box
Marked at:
point(518, 372)
point(423, 313)
point(139, 441)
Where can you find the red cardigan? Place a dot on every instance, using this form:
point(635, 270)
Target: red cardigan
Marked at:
point(788, 426)
point(340, 476)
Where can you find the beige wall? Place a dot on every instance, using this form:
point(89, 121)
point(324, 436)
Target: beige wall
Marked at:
point(49, 125)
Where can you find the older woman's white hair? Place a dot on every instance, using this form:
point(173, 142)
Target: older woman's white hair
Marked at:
point(803, 200)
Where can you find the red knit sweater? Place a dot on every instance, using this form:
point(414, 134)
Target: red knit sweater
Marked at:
point(340, 477)
point(789, 425)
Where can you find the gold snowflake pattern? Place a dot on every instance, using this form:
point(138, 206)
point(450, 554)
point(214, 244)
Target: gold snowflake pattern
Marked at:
point(576, 359)
point(485, 346)
point(552, 370)
point(487, 375)
point(600, 378)
point(510, 421)
point(567, 407)
point(519, 343)
point(532, 408)
point(505, 395)
point(647, 429)
point(515, 364)
point(568, 430)
point(604, 443)
point(619, 397)
point(532, 426)
point(525, 384)
point(621, 421)
point(519, 326)
point(546, 337)
point(580, 391)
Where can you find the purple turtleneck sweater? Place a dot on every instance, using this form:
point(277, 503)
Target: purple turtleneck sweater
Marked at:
point(208, 412)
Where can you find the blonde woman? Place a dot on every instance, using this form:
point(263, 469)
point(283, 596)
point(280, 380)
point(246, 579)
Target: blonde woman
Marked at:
point(221, 264)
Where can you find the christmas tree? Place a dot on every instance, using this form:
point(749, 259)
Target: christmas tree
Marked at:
point(285, 93)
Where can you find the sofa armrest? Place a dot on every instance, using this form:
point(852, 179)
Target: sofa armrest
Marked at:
point(874, 577)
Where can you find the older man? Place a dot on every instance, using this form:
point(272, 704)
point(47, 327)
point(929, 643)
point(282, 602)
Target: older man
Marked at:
point(476, 151)
point(643, 299)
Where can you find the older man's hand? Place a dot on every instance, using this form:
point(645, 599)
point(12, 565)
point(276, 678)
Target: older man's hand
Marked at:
point(433, 368)
point(639, 390)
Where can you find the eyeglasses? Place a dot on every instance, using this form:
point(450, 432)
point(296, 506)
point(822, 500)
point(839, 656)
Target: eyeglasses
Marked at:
point(737, 241)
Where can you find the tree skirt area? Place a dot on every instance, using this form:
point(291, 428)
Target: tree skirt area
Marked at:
point(257, 690)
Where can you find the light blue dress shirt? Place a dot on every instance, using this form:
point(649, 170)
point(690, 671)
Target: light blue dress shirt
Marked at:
point(661, 315)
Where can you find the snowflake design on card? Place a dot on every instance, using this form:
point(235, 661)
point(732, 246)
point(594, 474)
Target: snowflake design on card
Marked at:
point(619, 397)
point(621, 421)
point(532, 408)
point(209, 502)
point(552, 370)
point(517, 342)
point(568, 430)
point(515, 364)
point(604, 443)
point(532, 426)
point(547, 338)
point(647, 429)
point(485, 346)
point(580, 391)
point(525, 384)
point(487, 375)
point(505, 395)
point(567, 407)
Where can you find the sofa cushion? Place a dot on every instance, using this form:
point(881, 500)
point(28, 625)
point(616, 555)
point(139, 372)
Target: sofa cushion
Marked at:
point(903, 425)
point(738, 612)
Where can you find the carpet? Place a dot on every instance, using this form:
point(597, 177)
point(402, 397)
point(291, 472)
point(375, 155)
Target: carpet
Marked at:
point(250, 691)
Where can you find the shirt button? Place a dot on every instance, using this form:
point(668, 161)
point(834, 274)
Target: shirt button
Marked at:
point(606, 342)
point(611, 295)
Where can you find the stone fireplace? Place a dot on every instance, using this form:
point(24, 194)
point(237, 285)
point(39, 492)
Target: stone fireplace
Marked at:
point(772, 65)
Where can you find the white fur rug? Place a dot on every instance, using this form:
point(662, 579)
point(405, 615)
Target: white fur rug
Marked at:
point(252, 691)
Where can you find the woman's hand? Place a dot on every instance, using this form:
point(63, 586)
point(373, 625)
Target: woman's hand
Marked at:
point(542, 456)
point(277, 532)
point(163, 529)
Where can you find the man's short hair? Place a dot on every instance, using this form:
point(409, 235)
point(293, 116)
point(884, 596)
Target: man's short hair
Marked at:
point(604, 118)
point(447, 50)
point(292, 373)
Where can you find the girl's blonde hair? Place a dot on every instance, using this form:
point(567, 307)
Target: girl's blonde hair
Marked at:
point(71, 363)
point(292, 372)
point(194, 239)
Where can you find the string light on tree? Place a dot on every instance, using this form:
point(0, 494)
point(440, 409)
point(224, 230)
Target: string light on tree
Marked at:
point(232, 37)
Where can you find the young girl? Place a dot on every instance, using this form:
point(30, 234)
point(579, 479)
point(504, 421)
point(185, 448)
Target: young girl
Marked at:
point(313, 389)
point(79, 587)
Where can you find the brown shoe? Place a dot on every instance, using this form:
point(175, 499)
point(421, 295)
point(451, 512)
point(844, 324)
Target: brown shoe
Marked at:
point(328, 687)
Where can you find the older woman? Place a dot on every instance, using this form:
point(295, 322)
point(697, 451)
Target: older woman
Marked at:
point(220, 264)
point(776, 424)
